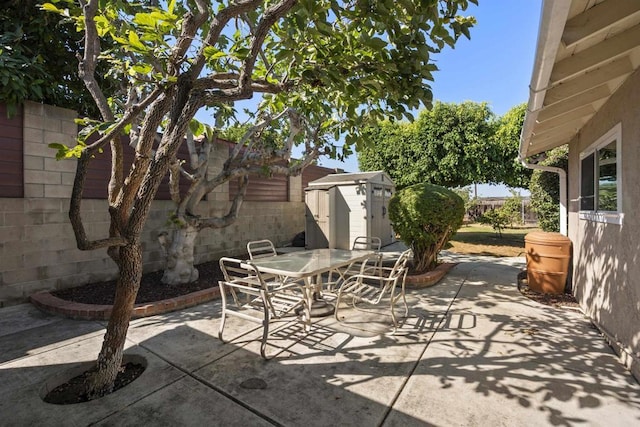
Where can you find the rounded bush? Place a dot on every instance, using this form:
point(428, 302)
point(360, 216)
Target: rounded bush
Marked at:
point(426, 216)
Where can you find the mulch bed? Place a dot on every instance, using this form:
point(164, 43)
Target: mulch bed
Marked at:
point(151, 288)
point(559, 300)
point(72, 391)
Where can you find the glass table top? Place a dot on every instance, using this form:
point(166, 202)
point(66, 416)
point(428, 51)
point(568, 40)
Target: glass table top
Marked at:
point(311, 262)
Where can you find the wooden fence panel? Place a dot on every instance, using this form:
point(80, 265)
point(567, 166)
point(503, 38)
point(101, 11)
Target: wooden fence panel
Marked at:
point(11, 160)
point(100, 170)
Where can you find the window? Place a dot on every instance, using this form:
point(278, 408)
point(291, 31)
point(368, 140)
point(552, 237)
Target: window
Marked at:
point(600, 179)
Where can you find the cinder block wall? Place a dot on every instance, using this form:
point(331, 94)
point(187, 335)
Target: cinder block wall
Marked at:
point(37, 247)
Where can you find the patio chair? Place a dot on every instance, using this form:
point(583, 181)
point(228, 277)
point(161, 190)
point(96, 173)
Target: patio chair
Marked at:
point(365, 243)
point(261, 249)
point(387, 284)
point(335, 277)
point(245, 294)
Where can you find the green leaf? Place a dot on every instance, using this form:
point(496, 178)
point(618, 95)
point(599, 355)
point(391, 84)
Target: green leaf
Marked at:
point(196, 127)
point(142, 68)
point(50, 8)
point(377, 43)
point(145, 19)
point(171, 6)
point(134, 41)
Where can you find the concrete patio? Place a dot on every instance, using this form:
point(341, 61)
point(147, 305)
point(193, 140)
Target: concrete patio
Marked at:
point(473, 351)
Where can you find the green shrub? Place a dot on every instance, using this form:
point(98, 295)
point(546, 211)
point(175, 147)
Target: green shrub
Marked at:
point(545, 190)
point(426, 216)
point(496, 218)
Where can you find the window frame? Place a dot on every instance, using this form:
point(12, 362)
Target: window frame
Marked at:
point(596, 215)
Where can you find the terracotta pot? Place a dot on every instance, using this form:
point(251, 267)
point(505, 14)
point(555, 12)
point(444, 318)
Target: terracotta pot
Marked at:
point(548, 256)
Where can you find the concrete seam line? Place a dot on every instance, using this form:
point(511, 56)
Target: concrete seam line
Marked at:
point(417, 362)
point(216, 389)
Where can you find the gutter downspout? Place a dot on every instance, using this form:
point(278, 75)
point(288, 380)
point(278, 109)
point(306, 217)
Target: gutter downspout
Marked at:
point(552, 21)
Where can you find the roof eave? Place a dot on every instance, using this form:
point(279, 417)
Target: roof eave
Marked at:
point(552, 22)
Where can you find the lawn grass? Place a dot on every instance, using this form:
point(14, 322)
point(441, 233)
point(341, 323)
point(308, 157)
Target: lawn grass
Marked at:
point(478, 239)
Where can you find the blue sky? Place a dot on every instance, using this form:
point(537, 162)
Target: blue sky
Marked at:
point(494, 66)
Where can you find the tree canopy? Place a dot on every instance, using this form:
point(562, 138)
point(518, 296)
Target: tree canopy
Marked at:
point(452, 145)
point(37, 59)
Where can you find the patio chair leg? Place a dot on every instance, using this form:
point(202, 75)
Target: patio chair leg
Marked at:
point(265, 329)
point(223, 317)
point(337, 303)
point(406, 307)
point(222, 321)
point(393, 316)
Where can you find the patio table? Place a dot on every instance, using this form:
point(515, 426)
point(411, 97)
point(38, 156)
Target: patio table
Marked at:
point(309, 266)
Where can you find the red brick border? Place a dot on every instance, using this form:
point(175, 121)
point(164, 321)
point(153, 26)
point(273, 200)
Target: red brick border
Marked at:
point(73, 310)
point(429, 278)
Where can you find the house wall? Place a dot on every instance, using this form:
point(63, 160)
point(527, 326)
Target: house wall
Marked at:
point(606, 276)
point(37, 245)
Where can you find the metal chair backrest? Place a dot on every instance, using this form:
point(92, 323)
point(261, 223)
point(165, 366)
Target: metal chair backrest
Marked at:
point(364, 242)
point(372, 288)
point(233, 270)
point(400, 266)
point(261, 249)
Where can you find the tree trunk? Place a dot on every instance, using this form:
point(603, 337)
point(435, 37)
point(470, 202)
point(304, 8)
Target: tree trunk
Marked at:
point(424, 259)
point(180, 268)
point(110, 358)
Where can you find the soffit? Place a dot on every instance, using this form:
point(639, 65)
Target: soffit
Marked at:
point(598, 50)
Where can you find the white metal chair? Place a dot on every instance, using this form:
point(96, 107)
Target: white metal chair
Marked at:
point(261, 249)
point(335, 277)
point(245, 294)
point(364, 242)
point(375, 288)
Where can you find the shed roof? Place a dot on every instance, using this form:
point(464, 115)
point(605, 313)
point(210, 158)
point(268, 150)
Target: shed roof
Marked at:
point(586, 50)
point(349, 179)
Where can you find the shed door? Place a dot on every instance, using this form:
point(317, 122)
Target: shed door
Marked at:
point(380, 222)
point(387, 235)
point(378, 212)
point(317, 219)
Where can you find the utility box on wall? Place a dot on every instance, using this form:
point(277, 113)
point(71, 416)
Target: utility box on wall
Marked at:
point(341, 207)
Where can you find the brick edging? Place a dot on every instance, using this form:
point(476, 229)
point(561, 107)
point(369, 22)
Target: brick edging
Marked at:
point(46, 302)
point(429, 278)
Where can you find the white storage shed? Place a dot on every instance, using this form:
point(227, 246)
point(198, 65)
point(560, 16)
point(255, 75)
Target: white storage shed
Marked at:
point(341, 207)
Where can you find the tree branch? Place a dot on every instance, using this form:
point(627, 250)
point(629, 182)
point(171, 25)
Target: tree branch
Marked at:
point(87, 65)
point(230, 217)
point(218, 24)
point(75, 217)
point(191, 23)
point(270, 17)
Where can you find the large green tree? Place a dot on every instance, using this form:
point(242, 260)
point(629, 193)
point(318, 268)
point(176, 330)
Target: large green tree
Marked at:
point(451, 145)
point(322, 69)
point(507, 139)
point(37, 59)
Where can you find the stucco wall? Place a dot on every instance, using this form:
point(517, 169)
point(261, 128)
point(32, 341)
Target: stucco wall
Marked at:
point(606, 276)
point(37, 247)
